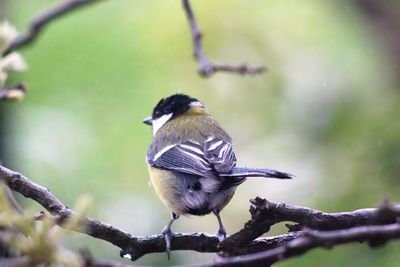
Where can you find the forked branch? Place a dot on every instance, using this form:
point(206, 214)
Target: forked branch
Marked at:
point(207, 68)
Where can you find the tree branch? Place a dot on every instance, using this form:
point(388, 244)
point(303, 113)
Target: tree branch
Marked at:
point(264, 214)
point(206, 68)
point(313, 239)
point(39, 23)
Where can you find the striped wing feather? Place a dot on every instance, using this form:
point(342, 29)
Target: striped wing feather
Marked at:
point(208, 160)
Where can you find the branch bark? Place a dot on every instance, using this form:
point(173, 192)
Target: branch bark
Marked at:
point(311, 239)
point(206, 68)
point(266, 213)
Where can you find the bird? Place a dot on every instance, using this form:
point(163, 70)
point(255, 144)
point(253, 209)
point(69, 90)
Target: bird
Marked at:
point(192, 162)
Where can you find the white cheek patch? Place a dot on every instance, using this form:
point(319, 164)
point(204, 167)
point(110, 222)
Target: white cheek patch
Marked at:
point(158, 123)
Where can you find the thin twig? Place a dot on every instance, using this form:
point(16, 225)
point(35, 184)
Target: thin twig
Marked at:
point(206, 68)
point(39, 23)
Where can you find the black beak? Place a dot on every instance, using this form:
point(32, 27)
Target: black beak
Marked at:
point(148, 121)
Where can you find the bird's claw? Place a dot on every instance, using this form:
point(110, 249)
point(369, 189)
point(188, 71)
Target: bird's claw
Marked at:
point(168, 237)
point(221, 234)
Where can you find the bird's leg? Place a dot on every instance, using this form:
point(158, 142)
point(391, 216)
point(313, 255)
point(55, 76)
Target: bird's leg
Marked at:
point(168, 233)
point(221, 234)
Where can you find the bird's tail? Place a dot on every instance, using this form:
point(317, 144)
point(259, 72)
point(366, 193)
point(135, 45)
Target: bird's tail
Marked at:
point(257, 172)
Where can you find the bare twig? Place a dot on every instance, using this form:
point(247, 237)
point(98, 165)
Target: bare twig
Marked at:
point(206, 68)
point(38, 23)
point(312, 239)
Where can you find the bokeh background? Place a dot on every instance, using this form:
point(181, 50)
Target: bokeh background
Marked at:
point(327, 110)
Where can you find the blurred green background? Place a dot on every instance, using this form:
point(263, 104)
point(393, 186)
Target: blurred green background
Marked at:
point(327, 110)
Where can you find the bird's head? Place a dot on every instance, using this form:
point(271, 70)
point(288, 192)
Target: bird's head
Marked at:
point(172, 107)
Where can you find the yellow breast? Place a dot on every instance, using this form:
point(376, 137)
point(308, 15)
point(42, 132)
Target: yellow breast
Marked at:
point(166, 187)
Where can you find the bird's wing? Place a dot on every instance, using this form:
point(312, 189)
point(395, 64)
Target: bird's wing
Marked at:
point(188, 158)
point(207, 160)
point(220, 154)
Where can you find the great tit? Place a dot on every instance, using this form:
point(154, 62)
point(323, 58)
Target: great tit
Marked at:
point(192, 163)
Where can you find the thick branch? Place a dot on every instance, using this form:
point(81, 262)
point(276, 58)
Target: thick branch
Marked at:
point(267, 213)
point(39, 23)
point(206, 68)
point(312, 239)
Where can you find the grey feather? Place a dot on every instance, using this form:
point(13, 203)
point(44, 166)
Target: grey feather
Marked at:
point(187, 158)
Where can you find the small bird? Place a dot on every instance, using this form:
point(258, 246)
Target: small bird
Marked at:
point(192, 163)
